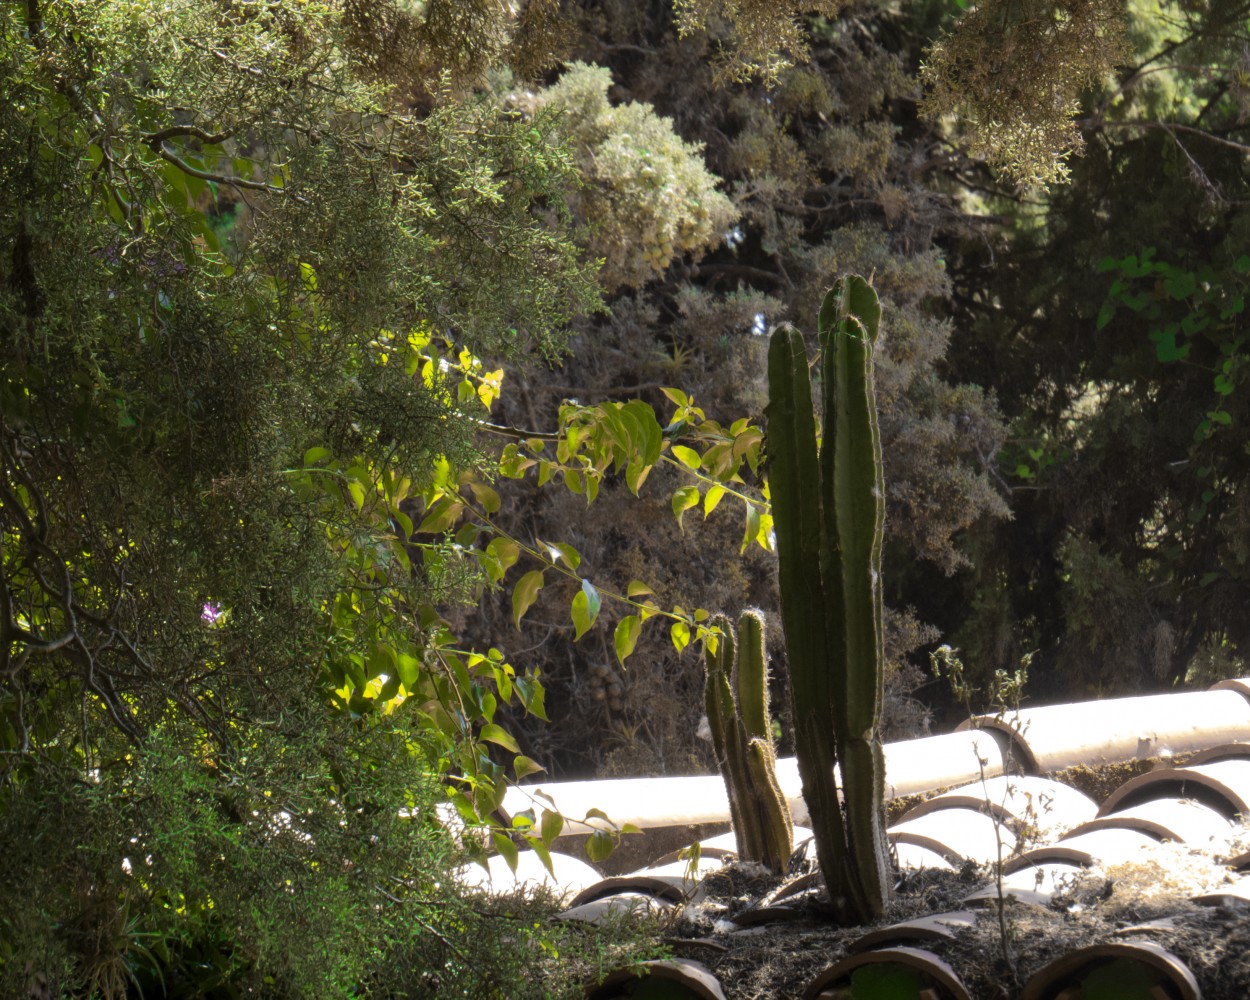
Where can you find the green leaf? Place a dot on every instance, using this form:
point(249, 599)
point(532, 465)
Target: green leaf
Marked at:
point(572, 558)
point(585, 609)
point(506, 848)
point(524, 594)
point(626, 636)
point(752, 530)
point(552, 825)
point(464, 807)
point(505, 551)
point(748, 440)
point(442, 515)
point(544, 855)
point(357, 493)
point(1166, 348)
point(599, 845)
point(651, 440)
point(492, 733)
point(524, 766)
point(531, 694)
point(683, 499)
point(1105, 315)
point(408, 668)
point(485, 496)
point(315, 456)
point(381, 660)
point(1181, 285)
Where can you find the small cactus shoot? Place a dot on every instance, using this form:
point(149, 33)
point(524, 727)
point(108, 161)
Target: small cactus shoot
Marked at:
point(736, 701)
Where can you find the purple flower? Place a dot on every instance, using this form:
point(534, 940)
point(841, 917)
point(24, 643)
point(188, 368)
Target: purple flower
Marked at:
point(210, 613)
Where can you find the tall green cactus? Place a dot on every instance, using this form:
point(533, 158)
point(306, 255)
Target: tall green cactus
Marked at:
point(736, 700)
point(828, 513)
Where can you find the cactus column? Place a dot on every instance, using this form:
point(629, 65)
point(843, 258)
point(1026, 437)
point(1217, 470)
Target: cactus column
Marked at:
point(828, 513)
point(736, 698)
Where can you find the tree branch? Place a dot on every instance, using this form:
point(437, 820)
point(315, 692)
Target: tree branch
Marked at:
point(157, 139)
point(205, 175)
point(1169, 127)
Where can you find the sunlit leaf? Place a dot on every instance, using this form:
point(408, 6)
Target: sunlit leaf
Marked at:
point(507, 849)
point(585, 609)
point(683, 499)
point(544, 855)
point(712, 498)
point(442, 515)
point(599, 845)
point(687, 456)
point(492, 733)
point(680, 633)
point(552, 825)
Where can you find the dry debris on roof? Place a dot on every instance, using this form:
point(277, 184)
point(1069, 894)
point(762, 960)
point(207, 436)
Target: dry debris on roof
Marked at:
point(1015, 887)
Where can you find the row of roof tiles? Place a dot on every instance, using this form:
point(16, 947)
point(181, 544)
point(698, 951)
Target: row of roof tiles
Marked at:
point(1040, 834)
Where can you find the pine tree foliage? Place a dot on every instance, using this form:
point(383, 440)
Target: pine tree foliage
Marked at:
point(1012, 72)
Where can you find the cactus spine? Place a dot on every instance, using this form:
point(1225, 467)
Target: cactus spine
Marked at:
point(829, 512)
point(736, 700)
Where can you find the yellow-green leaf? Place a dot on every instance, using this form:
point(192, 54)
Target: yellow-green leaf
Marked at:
point(487, 497)
point(525, 766)
point(441, 516)
point(683, 499)
point(552, 825)
point(524, 594)
point(687, 456)
point(626, 636)
point(540, 849)
point(712, 498)
point(492, 733)
point(506, 848)
point(599, 845)
point(752, 531)
point(585, 610)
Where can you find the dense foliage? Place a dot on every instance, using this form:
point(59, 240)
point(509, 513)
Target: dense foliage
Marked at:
point(226, 699)
point(270, 527)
